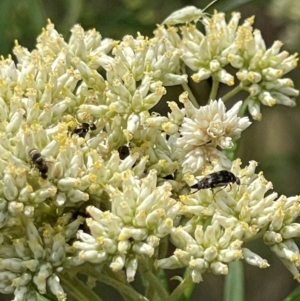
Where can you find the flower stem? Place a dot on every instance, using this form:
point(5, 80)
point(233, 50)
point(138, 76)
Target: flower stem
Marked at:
point(243, 108)
point(230, 153)
point(163, 247)
point(181, 289)
point(78, 289)
point(150, 292)
point(233, 92)
point(123, 288)
point(152, 280)
point(214, 89)
point(186, 87)
point(192, 98)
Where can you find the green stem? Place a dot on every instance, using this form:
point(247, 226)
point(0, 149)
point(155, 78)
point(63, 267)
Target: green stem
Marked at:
point(243, 108)
point(163, 247)
point(123, 288)
point(152, 279)
point(78, 289)
point(214, 89)
point(192, 98)
point(150, 292)
point(186, 87)
point(43, 207)
point(233, 92)
point(260, 234)
point(160, 273)
point(230, 153)
point(181, 289)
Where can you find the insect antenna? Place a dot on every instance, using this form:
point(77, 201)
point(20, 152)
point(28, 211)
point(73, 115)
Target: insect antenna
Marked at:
point(208, 5)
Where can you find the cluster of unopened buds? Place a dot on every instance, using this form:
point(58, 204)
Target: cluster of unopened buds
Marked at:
point(91, 173)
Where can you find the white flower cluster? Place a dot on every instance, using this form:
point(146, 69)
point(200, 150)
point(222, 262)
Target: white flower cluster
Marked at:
point(55, 105)
point(205, 129)
point(141, 214)
point(89, 175)
point(258, 69)
point(237, 214)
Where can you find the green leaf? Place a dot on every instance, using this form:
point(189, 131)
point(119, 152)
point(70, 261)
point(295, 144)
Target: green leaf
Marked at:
point(234, 282)
point(41, 298)
point(189, 289)
point(294, 295)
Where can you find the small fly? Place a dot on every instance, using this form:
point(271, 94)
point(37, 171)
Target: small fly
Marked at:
point(39, 162)
point(124, 152)
point(217, 179)
point(83, 129)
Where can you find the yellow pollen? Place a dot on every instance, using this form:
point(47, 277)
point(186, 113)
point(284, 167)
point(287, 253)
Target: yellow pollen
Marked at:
point(92, 178)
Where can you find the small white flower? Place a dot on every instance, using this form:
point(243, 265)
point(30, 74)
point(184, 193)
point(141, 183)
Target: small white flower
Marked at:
point(208, 54)
point(254, 259)
point(140, 214)
point(77, 120)
point(206, 128)
point(237, 214)
point(212, 124)
point(265, 68)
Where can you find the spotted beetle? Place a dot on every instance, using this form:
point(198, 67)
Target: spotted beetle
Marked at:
point(217, 179)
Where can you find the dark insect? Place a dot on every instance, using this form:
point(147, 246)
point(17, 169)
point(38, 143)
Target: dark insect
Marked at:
point(83, 129)
point(217, 179)
point(39, 162)
point(123, 152)
point(169, 177)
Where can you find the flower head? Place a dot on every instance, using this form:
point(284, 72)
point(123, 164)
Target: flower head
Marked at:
point(64, 123)
point(262, 71)
point(223, 220)
point(141, 214)
point(258, 69)
point(206, 128)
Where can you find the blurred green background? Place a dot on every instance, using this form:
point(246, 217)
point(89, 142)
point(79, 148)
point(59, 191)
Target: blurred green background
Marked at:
point(273, 142)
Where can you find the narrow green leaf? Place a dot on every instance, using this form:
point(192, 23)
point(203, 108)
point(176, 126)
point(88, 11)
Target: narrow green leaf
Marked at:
point(234, 289)
point(294, 295)
point(41, 298)
point(189, 289)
